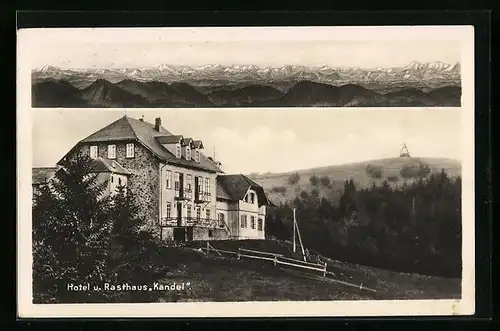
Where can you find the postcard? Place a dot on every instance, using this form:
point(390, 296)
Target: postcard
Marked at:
point(246, 172)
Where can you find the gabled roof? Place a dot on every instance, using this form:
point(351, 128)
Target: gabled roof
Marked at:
point(187, 141)
point(104, 165)
point(235, 187)
point(131, 129)
point(42, 175)
point(198, 144)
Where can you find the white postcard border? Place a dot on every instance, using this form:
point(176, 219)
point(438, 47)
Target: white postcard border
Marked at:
point(26, 309)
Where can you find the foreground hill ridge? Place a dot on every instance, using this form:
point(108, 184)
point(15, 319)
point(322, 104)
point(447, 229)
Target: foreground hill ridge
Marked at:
point(135, 93)
point(225, 278)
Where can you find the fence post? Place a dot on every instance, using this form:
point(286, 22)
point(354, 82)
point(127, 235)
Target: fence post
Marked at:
point(239, 253)
point(275, 260)
point(208, 247)
point(324, 271)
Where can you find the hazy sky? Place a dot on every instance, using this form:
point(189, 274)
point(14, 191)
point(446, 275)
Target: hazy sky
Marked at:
point(265, 53)
point(275, 140)
point(366, 47)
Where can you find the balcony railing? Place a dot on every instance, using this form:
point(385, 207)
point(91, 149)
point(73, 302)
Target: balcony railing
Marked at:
point(184, 194)
point(192, 221)
point(203, 197)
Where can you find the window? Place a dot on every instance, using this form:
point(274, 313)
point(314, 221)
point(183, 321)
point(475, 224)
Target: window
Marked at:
point(252, 198)
point(188, 153)
point(93, 152)
point(200, 184)
point(177, 183)
point(112, 178)
point(252, 222)
point(119, 181)
point(169, 179)
point(243, 221)
point(207, 185)
point(198, 213)
point(111, 151)
point(169, 210)
point(221, 220)
point(189, 212)
point(197, 156)
point(130, 150)
point(178, 151)
point(189, 180)
point(260, 224)
point(210, 233)
point(208, 214)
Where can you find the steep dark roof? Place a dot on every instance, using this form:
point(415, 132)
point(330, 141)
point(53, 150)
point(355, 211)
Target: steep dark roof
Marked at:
point(235, 187)
point(131, 129)
point(173, 139)
point(222, 193)
point(104, 165)
point(198, 144)
point(41, 175)
point(187, 141)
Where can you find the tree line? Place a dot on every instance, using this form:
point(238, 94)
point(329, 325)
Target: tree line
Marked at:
point(412, 227)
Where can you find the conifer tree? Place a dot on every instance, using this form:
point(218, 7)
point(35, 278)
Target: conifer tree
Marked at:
point(135, 253)
point(71, 233)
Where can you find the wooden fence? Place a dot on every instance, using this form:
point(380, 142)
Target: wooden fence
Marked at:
point(277, 259)
point(280, 259)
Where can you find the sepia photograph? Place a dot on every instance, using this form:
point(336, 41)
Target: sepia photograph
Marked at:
point(169, 183)
point(259, 73)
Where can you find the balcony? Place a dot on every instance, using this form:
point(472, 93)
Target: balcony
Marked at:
point(203, 197)
point(190, 221)
point(183, 194)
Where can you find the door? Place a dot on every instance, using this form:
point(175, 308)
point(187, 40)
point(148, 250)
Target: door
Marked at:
point(190, 233)
point(180, 234)
point(179, 213)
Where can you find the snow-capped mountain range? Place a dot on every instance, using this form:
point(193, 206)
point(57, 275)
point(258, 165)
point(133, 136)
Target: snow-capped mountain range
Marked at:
point(224, 74)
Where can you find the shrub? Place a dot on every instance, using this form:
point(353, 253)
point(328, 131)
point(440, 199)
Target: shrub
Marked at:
point(419, 170)
point(278, 189)
point(294, 179)
point(314, 180)
point(325, 181)
point(374, 171)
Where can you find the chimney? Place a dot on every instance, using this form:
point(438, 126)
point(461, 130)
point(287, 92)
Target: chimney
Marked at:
point(157, 124)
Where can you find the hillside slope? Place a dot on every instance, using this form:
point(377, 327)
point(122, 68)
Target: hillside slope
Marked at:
point(216, 277)
point(275, 182)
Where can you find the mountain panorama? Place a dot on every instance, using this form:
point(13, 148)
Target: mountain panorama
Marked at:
point(435, 84)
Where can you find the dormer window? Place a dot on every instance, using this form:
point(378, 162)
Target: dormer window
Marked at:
point(188, 153)
point(197, 155)
point(111, 151)
point(178, 151)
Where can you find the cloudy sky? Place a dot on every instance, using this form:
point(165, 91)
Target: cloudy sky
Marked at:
point(271, 140)
point(336, 46)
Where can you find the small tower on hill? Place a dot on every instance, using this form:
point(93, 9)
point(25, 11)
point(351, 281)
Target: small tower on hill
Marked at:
point(404, 151)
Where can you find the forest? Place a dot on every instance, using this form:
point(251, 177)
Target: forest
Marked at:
point(413, 227)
